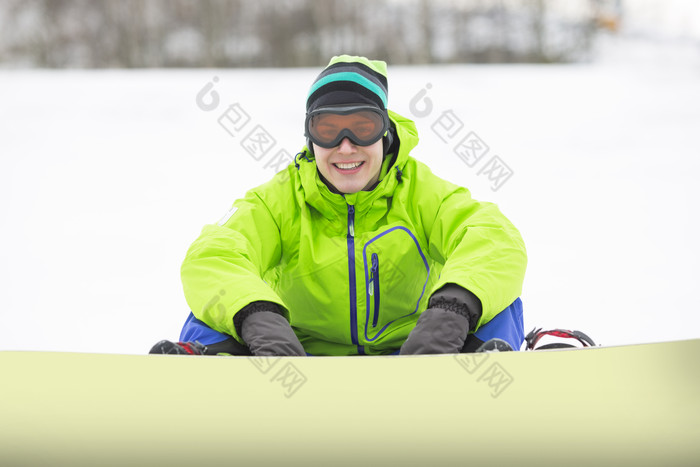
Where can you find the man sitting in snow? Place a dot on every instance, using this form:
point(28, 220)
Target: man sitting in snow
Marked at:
point(356, 248)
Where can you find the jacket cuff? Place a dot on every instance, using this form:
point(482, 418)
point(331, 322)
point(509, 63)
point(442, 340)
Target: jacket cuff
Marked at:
point(251, 308)
point(457, 299)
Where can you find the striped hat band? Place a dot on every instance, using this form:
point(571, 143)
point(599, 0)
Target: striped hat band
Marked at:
point(350, 80)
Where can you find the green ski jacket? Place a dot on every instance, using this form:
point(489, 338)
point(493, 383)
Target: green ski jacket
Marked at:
point(352, 273)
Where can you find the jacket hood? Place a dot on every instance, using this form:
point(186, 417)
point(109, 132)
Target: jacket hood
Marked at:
point(330, 204)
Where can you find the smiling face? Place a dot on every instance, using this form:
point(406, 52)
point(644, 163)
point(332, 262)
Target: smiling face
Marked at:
point(348, 167)
point(346, 117)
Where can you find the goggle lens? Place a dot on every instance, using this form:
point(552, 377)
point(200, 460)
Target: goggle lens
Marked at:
point(328, 127)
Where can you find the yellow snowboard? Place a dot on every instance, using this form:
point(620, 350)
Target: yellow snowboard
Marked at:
point(629, 405)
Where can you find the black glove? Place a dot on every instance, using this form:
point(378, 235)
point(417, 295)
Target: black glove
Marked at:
point(443, 327)
point(269, 333)
point(437, 331)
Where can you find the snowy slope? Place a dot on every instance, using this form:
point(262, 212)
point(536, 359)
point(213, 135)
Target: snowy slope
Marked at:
point(106, 177)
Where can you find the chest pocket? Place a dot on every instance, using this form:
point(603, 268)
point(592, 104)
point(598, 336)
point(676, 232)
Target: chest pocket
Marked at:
point(396, 275)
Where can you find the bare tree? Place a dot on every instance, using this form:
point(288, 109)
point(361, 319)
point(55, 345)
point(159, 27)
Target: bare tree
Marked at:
point(221, 33)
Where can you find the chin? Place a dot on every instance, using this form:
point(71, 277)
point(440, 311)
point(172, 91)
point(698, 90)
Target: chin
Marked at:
point(349, 190)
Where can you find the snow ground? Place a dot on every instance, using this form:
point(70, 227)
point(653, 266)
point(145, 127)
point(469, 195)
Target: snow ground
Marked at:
point(106, 177)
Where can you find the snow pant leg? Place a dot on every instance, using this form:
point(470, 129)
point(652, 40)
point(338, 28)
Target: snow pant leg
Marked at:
point(507, 325)
point(216, 342)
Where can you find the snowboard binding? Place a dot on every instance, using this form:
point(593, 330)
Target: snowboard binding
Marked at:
point(178, 348)
point(577, 339)
point(494, 345)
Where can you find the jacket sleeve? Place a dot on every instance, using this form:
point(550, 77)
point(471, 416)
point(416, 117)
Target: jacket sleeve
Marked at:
point(481, 251)
point(224, 268)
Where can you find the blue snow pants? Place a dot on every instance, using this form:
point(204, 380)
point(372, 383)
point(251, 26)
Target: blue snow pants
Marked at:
point(507, 325)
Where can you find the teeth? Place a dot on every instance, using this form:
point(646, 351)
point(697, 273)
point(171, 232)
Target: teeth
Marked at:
point(348, 166)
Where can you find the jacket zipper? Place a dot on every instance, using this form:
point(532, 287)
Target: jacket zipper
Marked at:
point(353, 284)
point(374, 288)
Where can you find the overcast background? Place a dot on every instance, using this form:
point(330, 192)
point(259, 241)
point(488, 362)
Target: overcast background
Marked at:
point(113, 157)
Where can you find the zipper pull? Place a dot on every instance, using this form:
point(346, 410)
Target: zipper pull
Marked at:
point(351, 219)
point(374, 290)
point(375, 273)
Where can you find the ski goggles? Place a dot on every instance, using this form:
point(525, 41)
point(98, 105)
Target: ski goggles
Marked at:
point(363, 125)
point(535, 335)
